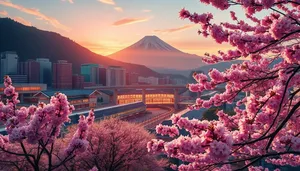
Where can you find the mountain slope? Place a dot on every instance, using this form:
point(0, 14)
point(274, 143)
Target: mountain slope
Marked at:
point(221, 66)
point(32, 43)
point(153, 52)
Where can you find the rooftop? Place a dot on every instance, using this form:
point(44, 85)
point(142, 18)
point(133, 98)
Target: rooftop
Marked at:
point(78, 92)
point(11, 52)
point(89, 64)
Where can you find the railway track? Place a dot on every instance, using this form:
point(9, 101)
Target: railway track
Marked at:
point(157, 119)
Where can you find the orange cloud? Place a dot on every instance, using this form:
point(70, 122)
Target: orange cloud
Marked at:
point(171, 30)
point(22, 21)
point(54, 22)
point(110, 2)
point(127, 21)
point(119, 9)
point(4, 13)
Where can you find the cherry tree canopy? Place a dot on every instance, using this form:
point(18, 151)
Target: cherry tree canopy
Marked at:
point(265, 125)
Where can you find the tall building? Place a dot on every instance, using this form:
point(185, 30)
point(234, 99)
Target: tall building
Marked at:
point(30, 68)
point(9, 63)
point(62, 75)
point(77, 81)
point(45, 71)
point(132, 78)
point(90, 72)
point(115, 76)
point(102, 76)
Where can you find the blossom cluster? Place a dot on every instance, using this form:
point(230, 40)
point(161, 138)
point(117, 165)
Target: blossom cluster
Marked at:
point(39, 125)
point(248, 39)
point(264, 91)
point(79, 143)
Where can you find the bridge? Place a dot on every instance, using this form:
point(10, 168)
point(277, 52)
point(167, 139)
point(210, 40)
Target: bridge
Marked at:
point(145, 96)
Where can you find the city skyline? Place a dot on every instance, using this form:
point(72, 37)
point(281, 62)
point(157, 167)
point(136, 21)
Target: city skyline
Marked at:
point(126, 23)
point(59, 74)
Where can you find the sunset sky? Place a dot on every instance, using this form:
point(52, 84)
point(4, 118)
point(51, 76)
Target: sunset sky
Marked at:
point(106, 26)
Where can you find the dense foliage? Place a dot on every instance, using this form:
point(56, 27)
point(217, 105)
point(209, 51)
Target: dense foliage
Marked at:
point(266, 127)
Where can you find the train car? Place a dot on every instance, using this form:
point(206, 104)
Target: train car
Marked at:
point(117, 111)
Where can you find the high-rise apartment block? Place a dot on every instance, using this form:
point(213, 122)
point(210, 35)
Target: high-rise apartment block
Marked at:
point(62, 75)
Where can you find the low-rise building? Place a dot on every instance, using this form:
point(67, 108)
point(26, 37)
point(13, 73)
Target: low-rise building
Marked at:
point(81, 99)
point(26, 91)
point(148, 80)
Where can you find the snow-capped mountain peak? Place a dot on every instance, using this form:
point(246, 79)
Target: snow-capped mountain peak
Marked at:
point(153, 43)
point(153, 52)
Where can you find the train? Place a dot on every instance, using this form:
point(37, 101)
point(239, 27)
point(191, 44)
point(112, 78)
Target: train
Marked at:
point(116, 111)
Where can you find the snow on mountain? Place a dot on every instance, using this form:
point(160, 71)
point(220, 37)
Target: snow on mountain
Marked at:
point(153, 43)
point(153, 52)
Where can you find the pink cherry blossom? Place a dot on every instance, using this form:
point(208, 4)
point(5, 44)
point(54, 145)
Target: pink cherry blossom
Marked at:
point(263, 89)
point(37, 127)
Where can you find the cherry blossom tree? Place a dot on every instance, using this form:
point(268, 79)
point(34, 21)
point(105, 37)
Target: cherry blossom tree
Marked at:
point(266, 124)
point(33, 131)
point(116, 145)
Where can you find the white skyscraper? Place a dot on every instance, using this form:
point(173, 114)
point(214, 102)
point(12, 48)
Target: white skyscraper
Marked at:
point(9, 63)
point(45, 70)
point(115, 76)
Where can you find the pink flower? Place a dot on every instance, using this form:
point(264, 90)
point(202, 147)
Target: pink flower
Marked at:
point(280, 27)
point(7, 81)
point(184, 13)
point(77, 146)
point(220, 4)
point(94, 169)
point(219, 150)
point(267, 3)
point(9, 90)
point(167, 130)
point(219, 34)
point(173, 166)
point(232, 14)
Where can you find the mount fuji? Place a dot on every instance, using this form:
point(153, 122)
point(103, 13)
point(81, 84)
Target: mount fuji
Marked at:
point(153, 52)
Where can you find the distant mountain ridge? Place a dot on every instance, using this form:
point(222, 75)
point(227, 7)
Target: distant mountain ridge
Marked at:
point(153, 52)
point(221, 66)
point(32, 43)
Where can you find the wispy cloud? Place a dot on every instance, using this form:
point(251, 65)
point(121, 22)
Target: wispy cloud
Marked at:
point(35, 12)
point(119, 9)
point(70, 1)
point(4, 13)
point(126, 21)
point(22, 21)
point(110, 2)
point(171, 30)
point(146, 10)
